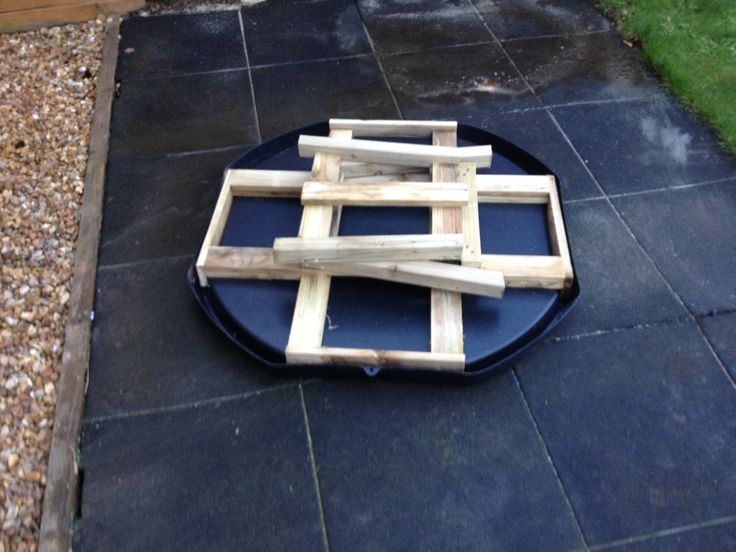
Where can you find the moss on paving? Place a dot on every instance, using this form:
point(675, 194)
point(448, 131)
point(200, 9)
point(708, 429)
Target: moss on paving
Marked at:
point(692, 43)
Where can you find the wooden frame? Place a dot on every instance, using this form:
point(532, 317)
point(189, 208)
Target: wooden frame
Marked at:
point(452, 190)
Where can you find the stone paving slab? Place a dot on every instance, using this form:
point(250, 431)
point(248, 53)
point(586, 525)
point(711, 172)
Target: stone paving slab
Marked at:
point(617, 433)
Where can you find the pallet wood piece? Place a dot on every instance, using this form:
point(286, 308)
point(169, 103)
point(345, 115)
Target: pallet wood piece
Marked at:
point(249, 263)
point(376, 357)
point(528, 271)
point(356, 169)
point(265, 183)
point(470, 222)
point(318, 221)
point(215, 229)
point(372, 151)
point(396, 194)
point(446, 310)
point(441, 277)
point(513, 188)
point(54, 13)
point(347, 249)
point(396, 129)
point(60, 495)
point(557, 233)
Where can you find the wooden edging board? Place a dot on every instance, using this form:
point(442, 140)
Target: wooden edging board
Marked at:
point(20, 15)
point(60, 496)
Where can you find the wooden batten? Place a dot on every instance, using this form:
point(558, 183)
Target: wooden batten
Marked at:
point(265, 183)
point(395, 129)
point(470, 222)
point(374, 357)
point(215, 229)
point(557, 234)
point(512, 188)
point(346, 249)
point(528, 271)
point(18, 15)
point(395, 153)
point(391, 194)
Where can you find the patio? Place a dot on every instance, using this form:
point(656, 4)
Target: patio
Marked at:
point(618, 432)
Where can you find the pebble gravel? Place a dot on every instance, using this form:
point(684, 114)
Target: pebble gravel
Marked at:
point(47, 93)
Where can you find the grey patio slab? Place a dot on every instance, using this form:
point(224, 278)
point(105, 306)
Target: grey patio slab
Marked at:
point(582, 68)
point(720, 537)
point(643, 145)
point(178, 44)
point(535, 132)
point(401, 27)
point(525, 18)
point(277, 33)
point(620, 287)
point(691, 234)
point(425, 467)
point(153, 347)
point(721, 332)
point(231, 475)
point(183, 113)
point(350, 88)
point(161, 205)
point(640, 427)
point(456, 83)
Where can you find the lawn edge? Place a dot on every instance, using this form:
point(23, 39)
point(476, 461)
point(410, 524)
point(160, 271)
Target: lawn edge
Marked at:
point(60, 495)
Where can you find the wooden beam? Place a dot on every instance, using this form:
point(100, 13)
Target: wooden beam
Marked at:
point(264, 183)
point(446, 314)
point(356, 169)
point(344, 249)
point(60, 494)
point(248, 263)
point(318, 221)
point(375, 357)
point(557, 234)
point(13, 21)
point(396, 194)
point(527, 271)
point(215, 229)
point(439, 276)
point(512, 188)
point(372, 151)
point(470, 222)
point(388, 128)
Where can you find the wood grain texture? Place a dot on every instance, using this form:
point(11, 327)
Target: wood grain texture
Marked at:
point(346, 249)
point(265, 183)
point(557, 233)
point(446, 310)
point(512, 188)
point(471, 222)
point(528, 271)
point(61, 477)
point(248, 263)
point(386, 194)
point(380, 358)
point(13, 21)
point(372, 151)
point(318, 221)
point(390, 128)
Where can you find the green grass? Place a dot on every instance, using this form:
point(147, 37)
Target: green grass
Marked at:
point(692, 44)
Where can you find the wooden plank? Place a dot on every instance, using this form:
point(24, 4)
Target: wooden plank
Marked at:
point(557, 234)
point(512, 188)
point(215, 229)
point(19, 5)
point(389, 128)
point(396, 194)
point(446, 311)
point(345, 249)
point(471, 222)
point(527, 271)
point(372, 151)
point(60, 495)
point(440, 276)
point(375, 357)
point(356, 169)
point(265, 183)
point(56, 15)
point(247, 263)
point(318, 221)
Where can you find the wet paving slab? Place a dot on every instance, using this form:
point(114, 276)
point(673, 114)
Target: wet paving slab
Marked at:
point(580, 68)
point(721, 332)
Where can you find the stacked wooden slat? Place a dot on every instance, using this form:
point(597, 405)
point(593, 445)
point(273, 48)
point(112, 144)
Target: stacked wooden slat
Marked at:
point(348, 170)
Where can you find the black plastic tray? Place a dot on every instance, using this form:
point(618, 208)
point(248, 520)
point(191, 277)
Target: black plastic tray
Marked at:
point(365, 313)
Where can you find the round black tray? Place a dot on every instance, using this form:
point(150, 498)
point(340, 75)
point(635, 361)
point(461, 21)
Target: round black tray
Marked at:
point(366, 313)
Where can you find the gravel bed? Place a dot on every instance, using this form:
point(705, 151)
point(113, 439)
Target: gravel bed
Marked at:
point(47, 93)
